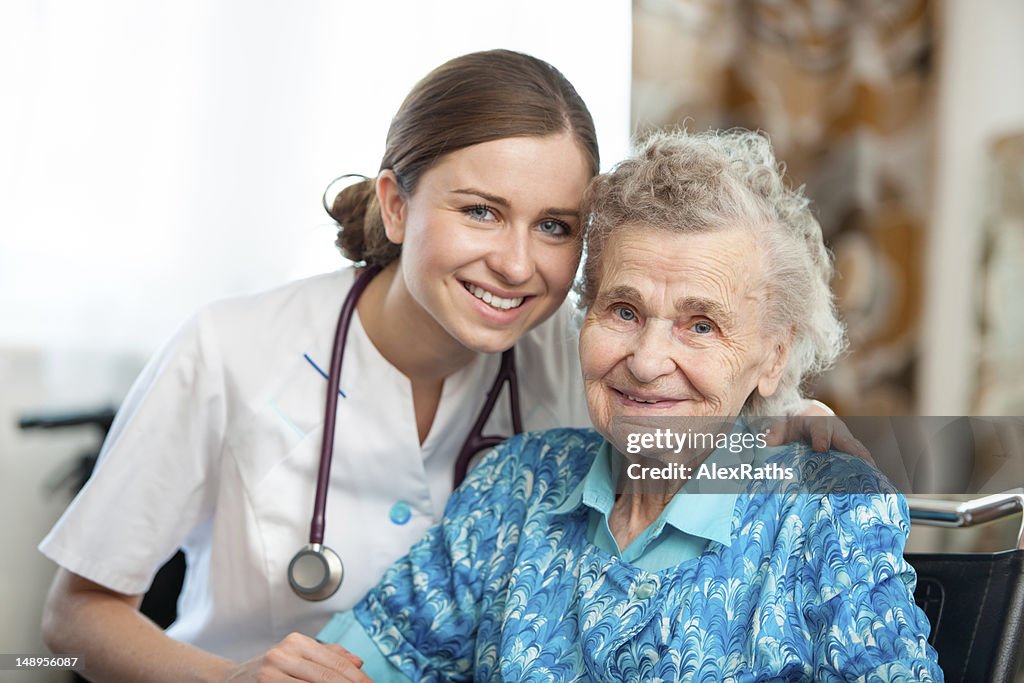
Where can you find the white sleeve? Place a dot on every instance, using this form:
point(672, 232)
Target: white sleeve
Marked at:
point(551, 382)
point(156, 478)
point(575, 398)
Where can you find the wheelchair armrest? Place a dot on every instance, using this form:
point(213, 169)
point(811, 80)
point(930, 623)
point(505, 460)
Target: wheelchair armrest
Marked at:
point(947, 513)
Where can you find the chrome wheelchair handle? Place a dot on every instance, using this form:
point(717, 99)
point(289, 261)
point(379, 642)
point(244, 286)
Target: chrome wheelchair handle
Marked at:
point(950, 513)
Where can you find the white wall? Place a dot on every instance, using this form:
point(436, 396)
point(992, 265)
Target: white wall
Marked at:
point(981, 95)
point(164, 154)
point(156, 156)
point(30, 463)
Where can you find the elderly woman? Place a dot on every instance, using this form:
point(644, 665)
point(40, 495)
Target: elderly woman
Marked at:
point(707, 296)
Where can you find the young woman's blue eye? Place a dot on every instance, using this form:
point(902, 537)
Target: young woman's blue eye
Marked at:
point(703, 327)
point(479, 213)
point(553, 227)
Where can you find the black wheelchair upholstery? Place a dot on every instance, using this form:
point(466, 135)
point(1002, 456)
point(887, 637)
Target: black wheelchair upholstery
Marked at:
point(974, 601)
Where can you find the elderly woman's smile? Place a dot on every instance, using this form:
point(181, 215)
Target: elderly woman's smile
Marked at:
point(676, 326)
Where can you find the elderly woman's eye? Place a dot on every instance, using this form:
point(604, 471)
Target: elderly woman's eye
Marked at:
point(703, 327)
point(625, 313)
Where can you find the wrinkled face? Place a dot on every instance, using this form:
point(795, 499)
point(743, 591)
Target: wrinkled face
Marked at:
point(490, 237)
point(675, 327)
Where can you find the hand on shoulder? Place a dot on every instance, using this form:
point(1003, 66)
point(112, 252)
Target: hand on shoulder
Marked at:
point(818, 426)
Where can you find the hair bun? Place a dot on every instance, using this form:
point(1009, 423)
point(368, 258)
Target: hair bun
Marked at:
point(348, 208)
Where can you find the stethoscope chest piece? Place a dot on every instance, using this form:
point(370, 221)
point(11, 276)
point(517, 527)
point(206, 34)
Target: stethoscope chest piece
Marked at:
point(315, 573)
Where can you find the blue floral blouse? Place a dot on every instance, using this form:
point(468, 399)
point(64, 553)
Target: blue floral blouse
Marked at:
point(508, 588)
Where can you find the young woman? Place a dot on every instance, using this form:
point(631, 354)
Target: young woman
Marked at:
point(470, 236)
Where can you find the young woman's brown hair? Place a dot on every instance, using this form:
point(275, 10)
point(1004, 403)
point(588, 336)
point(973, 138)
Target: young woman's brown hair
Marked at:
point(471, 99)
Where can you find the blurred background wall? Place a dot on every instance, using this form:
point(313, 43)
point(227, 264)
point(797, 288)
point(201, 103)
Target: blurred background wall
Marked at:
point(156, 156)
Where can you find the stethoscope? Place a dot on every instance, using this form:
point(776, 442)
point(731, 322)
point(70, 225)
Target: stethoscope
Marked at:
point(316, 571)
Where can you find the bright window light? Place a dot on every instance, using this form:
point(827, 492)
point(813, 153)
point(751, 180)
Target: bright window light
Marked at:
point(158, 156)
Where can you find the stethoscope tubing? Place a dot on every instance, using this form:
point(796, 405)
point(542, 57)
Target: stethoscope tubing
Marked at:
point(323, 477)
point(475, 441)
point(316, 571)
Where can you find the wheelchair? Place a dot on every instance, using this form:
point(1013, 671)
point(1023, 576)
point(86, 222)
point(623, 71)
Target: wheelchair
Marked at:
point(974, 601)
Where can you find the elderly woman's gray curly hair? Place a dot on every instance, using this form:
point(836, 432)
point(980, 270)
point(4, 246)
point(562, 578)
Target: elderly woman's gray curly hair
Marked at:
point(703, 182)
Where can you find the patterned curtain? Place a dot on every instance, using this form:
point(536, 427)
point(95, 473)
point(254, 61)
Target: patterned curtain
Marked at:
point(844, 89)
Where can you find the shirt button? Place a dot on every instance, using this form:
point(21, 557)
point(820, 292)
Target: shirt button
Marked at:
point(400, 513)
point(645, 590)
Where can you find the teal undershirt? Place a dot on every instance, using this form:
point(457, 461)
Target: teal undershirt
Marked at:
point(680, 533)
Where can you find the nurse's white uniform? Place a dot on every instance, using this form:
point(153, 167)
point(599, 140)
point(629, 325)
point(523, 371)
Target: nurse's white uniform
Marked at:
point(216, 450)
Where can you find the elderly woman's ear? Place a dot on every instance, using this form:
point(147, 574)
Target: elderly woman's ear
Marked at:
point(775, 364)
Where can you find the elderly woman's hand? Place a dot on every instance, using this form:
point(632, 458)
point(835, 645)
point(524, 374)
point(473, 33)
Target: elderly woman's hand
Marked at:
point(818, 426)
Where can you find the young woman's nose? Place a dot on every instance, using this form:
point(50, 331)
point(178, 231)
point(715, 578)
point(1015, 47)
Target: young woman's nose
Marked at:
point(511, 256)
point(651, 355)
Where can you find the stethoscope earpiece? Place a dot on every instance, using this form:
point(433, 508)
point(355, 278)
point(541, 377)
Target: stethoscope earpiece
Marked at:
point(335, 187)
point(315, 573)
